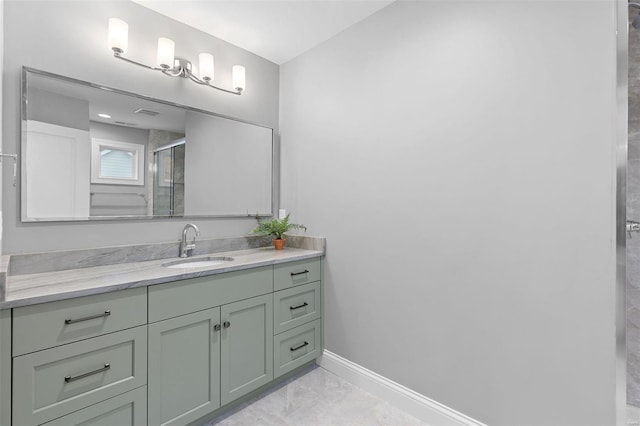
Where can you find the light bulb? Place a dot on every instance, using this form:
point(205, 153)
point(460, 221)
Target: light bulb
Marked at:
point(118, 36)
point(239, 77)
point(206, 66)
point(166, 49)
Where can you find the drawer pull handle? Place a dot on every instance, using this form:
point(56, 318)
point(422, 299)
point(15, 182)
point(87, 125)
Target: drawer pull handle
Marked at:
point(293, 308)
point(73, 321)
point(216, 327)
point(300, 346)
point(70, 379)
point(293, 274)
point(226, 324)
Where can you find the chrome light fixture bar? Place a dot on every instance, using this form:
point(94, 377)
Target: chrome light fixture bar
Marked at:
point(168, 64)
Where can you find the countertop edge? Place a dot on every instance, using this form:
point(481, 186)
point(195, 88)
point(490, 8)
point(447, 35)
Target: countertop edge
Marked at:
point(20, 302)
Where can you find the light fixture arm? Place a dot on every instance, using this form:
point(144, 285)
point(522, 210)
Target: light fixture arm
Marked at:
point(182, 68)
point(208, 84)
point(118, 54)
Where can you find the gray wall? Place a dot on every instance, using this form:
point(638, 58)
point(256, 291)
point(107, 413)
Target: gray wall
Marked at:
point(1, 125)
point(69, 38)
point(234, 158)
point(459, 158)
point(49, 107)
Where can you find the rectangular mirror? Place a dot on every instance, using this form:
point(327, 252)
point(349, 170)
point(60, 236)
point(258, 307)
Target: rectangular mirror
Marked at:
point(91, 152)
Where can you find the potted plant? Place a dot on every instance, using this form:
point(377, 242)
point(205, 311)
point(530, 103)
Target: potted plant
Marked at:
point(276, 228)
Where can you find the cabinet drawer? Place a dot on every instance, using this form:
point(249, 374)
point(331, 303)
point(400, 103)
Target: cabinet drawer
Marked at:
point(296, 306)
point(52, 324)
point(290, 274)
point(128, 409)
point(296, 347)
point(52, 383)
point(196, 294)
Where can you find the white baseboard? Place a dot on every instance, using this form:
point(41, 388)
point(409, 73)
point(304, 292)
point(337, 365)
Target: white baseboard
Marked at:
point(419, 406)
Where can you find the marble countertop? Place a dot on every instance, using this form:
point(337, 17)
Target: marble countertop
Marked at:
point(30, 289)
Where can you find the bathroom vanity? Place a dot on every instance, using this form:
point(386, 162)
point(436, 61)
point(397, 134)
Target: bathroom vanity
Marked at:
point(131, 335)
point(145, 344)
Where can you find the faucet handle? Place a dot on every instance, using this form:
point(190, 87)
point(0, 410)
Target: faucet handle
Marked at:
point(186, 249)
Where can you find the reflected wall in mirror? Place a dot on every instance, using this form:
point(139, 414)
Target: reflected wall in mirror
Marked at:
point(92, 152)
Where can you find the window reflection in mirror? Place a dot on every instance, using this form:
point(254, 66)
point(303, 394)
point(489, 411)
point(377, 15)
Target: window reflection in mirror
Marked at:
point(117, 163)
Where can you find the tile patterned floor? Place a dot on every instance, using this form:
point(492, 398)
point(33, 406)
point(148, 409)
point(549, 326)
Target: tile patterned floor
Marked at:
point(317, 398)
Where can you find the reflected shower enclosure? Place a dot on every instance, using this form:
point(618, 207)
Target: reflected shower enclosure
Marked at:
point(168, 179)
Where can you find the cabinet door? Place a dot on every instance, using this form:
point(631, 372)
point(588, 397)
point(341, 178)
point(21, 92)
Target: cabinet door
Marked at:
point(184, 368)
point(246, 346)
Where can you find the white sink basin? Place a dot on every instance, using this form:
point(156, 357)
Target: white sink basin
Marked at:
point(198, 263)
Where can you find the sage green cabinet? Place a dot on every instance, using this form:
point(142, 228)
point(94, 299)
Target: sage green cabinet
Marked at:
point(200, 361)
point(46, 325)
point(291, 274)
point(55, 382)
point(246, 346)
point(184, 368)
point(128, 409)
point(296, 347)
point(169, 354)
point(296, 306)
point(195, 294)
point(5, 367)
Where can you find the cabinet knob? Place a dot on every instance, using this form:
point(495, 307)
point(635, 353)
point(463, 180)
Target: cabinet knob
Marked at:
point(216, 327)
point(226, 324)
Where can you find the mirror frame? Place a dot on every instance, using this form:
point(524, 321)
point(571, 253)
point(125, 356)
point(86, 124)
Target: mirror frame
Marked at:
point(21, 163)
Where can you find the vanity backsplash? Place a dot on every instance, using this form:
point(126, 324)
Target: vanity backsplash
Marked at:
point(33, 263)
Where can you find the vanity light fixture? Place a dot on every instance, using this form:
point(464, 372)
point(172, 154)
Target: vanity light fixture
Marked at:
point(168, 64)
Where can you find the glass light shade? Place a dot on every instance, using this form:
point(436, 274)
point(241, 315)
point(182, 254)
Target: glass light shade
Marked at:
point(166, 49)
point(238, 72)
point(206, 66)
point(118, 37)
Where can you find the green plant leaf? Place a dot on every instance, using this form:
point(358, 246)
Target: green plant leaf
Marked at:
point(276, 227)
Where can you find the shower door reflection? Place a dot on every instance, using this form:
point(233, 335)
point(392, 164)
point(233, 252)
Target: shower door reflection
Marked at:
point(168, 180)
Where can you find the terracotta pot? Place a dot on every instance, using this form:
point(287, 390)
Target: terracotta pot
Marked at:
point(278, 243)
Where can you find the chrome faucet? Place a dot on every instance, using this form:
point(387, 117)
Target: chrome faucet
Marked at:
point(186, 249)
